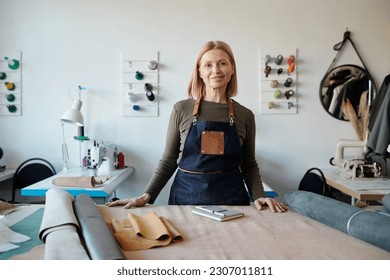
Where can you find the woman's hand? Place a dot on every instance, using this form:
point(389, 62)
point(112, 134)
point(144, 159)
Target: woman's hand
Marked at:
point(128, 203)
point(274, 205)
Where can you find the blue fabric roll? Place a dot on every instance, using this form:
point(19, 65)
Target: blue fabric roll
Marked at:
point(369, 226)
point(386, 202)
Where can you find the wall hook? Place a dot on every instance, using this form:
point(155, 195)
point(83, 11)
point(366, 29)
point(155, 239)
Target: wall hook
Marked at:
point(346, 34)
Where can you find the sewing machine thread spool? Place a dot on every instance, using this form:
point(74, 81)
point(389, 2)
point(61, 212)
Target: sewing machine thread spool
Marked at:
point(10, 97)
point(288, 82)
point(11, 108)
point(139, 75)
point(291, 69)
point(277, 93)
point(279, 59)
point(267, 70)
point(289, 93)
point(9, 85)
point(274, 83)
point(291, 59)
point(121, 160)
point(152, 65)
point(267, 59)
point(13, 64)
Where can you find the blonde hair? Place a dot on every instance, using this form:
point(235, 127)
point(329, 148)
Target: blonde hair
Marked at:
point(196, 87)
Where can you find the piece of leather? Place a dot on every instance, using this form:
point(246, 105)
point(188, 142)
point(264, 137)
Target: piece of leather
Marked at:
point(144, 232)
point(80, 181)
point(100, 243)
point(213, 143)
point(59, 228)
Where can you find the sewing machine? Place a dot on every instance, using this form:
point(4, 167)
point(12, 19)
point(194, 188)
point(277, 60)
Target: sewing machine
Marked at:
point(102, 157)
point(362, 166)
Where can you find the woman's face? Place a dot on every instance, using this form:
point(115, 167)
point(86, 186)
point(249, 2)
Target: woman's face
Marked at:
point(215, 69)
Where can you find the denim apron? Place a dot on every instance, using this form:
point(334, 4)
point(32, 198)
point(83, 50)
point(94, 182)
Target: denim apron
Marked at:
point(208, 172)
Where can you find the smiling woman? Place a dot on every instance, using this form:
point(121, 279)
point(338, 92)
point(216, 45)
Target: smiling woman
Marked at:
point(211, 141)
point(216, 70)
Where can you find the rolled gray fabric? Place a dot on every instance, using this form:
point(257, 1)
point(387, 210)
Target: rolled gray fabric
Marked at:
point(59, 228)
point(386, 202)
point(100, 243)
point(369, 226)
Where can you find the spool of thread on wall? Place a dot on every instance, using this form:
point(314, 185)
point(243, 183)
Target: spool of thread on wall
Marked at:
point(279, 59)
point(13, 64)
point(267, 59)
point(10, 97)
point(11, 108)
point(139, 75)
point(267, 70)
point(288, 82)
point(9, 85)
point(274, 83)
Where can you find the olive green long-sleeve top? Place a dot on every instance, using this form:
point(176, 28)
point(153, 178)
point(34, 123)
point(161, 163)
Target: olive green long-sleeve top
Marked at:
point(179, 124)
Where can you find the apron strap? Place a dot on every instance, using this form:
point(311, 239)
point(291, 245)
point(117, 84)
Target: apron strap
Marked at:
point(231, 111)
point(195, 112)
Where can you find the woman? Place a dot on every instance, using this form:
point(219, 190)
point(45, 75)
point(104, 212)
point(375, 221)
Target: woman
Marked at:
point(211, 141)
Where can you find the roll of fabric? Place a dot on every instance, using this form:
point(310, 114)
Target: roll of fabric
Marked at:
point(369, 226)
point(100, 243)
point(80, 182)
point(386, 202)
point(59, 228)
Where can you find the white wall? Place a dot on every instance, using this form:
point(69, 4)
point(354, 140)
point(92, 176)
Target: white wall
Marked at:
point(69, 43)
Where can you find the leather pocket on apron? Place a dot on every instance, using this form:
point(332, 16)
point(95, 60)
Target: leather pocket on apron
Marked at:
point(213, 143)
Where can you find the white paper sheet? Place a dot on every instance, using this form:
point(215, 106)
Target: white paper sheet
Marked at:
point(8, 237)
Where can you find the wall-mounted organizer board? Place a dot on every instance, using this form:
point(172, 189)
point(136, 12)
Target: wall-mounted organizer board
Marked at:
point(278, 81)
point(10, 83)
point(140, 84)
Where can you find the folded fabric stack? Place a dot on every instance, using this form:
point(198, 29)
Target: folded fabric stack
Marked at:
point(144, 232)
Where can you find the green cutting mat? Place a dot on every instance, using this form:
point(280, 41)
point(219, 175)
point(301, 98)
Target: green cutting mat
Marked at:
point(28, 226)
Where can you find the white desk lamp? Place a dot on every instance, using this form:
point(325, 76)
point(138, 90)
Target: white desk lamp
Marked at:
point(72, 116)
